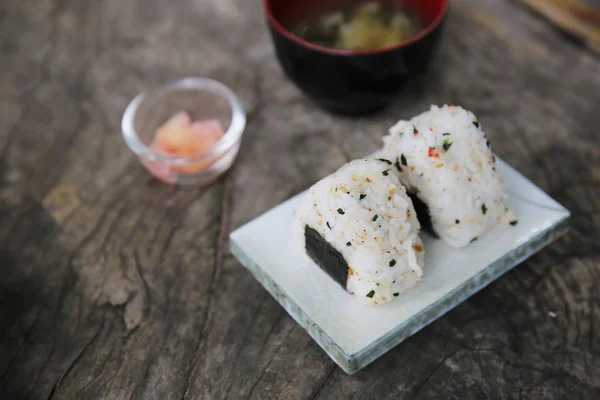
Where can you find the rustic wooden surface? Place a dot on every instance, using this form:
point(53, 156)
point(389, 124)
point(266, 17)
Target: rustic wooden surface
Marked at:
point(580, 18)
point(113, 286)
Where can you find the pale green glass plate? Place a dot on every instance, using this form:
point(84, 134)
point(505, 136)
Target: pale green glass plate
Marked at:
point(355, 335)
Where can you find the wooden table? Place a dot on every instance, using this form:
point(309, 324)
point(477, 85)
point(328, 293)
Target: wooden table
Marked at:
point(114, 286)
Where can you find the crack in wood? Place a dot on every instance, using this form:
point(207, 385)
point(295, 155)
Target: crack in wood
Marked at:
point(221, 237)
point(322, 384)
point(430, 375)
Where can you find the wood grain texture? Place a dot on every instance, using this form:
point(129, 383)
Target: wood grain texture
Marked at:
point(574, 17)
point(113, 286)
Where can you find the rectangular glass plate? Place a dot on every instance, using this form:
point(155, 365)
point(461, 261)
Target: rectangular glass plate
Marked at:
point(355, 335)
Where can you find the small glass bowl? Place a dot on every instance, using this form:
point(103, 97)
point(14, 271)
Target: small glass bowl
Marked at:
point(202, 99)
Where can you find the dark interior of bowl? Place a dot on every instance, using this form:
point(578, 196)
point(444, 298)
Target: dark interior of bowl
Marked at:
point(290, 13)
point(351, 79)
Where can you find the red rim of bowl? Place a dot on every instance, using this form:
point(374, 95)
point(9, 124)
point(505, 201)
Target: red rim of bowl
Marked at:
point(273, 21)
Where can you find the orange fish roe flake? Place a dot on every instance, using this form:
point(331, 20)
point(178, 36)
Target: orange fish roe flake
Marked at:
point(418, 247)
point(433, 153)
point(368, 180)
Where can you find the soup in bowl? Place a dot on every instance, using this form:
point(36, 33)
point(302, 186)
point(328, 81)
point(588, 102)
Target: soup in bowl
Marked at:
point(352, 56)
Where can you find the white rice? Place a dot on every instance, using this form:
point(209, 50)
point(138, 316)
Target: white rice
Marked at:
point(447, 161)
point(378, 234)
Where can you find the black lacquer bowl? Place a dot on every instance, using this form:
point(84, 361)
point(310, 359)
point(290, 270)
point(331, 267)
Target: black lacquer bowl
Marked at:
point(348, 81)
